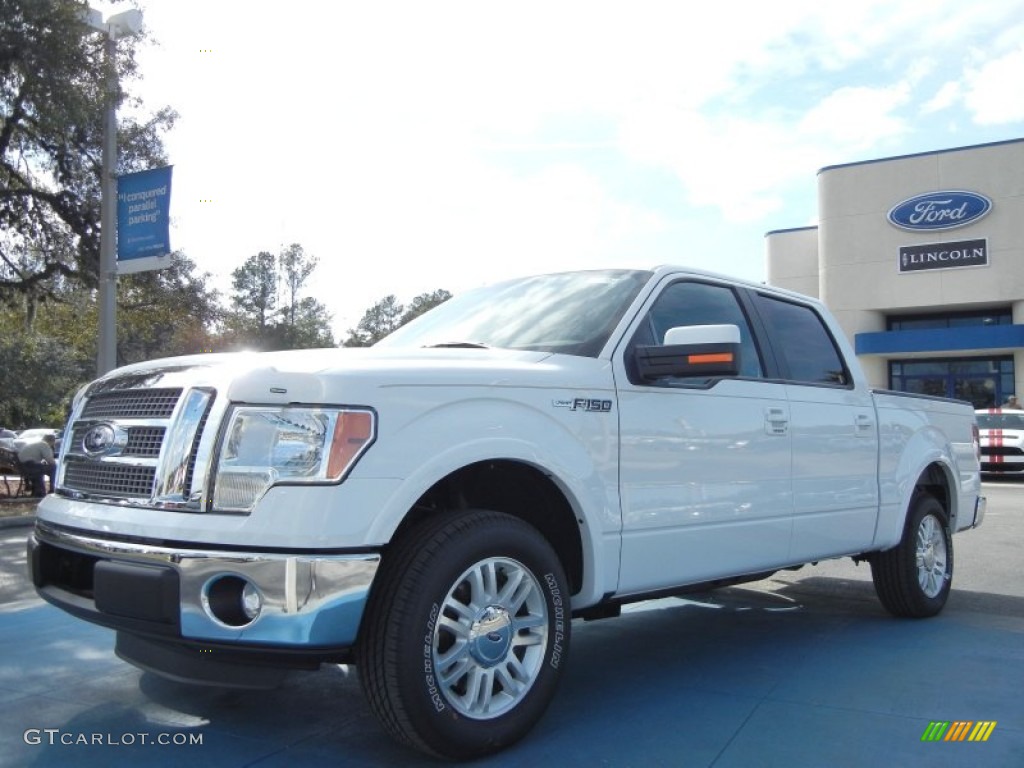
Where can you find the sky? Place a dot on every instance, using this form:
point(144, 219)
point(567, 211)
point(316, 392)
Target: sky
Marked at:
point(417, 145)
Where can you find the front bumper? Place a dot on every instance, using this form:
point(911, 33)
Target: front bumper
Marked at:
point(304, 602)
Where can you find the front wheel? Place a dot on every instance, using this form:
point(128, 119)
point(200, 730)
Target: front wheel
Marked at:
point(466, 634)
point(913, 578)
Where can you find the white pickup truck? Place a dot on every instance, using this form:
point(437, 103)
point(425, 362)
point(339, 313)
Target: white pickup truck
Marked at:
point(438, 508)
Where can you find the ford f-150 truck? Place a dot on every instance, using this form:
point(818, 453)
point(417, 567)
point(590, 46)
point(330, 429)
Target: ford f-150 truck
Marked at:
point(438, 508)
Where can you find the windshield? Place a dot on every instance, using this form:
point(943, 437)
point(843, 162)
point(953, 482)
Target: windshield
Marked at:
point(1001, 420)
point(572, 312)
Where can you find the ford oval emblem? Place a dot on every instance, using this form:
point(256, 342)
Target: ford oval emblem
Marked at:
point(99, 440)
point(939, 210)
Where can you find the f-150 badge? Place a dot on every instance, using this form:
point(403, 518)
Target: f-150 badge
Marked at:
point(584, 404)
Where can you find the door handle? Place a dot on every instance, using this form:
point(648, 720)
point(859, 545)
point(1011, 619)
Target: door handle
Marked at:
point(865, 425)
point(775, 421)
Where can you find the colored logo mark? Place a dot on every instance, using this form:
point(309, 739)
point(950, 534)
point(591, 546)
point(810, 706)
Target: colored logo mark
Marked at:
point(939, 210)
point(958, 730)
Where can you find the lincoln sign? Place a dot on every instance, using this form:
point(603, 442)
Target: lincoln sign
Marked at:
point(966, 253)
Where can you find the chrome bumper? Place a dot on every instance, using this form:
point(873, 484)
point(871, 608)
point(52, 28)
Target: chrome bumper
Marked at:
point(294, 601)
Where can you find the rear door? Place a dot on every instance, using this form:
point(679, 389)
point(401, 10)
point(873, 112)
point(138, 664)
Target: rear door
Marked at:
point(834, 432)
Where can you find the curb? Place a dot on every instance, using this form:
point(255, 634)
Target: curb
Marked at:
point(17, 521)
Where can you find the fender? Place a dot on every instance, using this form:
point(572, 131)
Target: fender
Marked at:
point(455, 434)
point(926, 446)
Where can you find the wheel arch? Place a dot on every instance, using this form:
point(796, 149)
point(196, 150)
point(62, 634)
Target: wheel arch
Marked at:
point(937, 480)
point(935, 476)
point(516, 488)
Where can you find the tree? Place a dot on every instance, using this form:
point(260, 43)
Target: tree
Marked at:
point(312, 326)
point(51, 114)
point(377, 322)
point(255, 286)
point(296, 267)
point(268, 310)
point(43, 362)
point(387, 315)
point(424, 303)
point(166, 312)
point(38, 376)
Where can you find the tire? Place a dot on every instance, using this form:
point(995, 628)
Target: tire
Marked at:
point(466, 634)
point(913, 578)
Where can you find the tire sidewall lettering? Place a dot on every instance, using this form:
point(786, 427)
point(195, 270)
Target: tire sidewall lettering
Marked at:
point(558, 618)
point(433, 690)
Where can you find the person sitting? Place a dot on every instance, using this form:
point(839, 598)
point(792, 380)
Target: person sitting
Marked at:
point(37, 463)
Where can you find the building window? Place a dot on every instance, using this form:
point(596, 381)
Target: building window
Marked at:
point(984, 318)
point(984, 381)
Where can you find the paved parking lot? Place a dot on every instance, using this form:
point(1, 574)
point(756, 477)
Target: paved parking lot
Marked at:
point(803, 669)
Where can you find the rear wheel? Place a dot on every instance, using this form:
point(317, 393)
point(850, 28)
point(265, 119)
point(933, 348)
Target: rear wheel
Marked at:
point(466, 634)
point(913, 578)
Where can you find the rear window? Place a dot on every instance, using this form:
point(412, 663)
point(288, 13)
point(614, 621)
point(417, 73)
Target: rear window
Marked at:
point(804, 343)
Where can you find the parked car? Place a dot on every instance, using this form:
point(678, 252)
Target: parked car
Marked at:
point(1002, 439)
point(37, 433)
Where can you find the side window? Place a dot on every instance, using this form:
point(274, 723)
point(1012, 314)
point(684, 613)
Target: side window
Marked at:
point(692, 303)
point(801, 338)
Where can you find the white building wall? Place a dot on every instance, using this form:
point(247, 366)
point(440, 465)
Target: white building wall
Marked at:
point(855, 249)
point(792, 260)
point(860, 248)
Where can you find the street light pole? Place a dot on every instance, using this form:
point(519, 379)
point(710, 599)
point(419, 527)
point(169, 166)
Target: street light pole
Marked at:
point(119, 25)
point(106, 358)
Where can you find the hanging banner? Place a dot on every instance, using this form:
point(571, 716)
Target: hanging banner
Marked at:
point(143, 220)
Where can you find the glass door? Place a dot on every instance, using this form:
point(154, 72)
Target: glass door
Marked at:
point(983, 381)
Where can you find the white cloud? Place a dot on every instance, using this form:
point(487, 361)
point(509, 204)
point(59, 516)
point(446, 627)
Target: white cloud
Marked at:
point(993, 91)
point(947, 96)
point(857, 117)
point(720, 162)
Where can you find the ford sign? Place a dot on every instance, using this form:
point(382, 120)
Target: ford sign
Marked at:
point(939, 210)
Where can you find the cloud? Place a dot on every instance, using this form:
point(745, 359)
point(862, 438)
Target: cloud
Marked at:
point(856, 118)
point(993, 90)
point(948, 96)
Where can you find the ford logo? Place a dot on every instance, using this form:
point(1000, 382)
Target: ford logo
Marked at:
point(939, 210)
point(103, 439)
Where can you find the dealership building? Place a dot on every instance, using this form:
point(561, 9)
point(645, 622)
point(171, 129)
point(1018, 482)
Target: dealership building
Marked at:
point(921, 259)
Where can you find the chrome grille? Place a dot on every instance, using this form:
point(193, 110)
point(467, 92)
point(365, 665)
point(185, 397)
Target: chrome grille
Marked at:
point(132, 404)
point(141, 449)
point(145, 441)
point(115, 480)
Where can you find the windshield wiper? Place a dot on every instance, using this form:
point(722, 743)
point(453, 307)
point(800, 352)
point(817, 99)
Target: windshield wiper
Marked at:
point(456, 345)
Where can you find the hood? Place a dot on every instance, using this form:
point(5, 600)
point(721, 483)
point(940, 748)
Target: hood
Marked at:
point(321, 375)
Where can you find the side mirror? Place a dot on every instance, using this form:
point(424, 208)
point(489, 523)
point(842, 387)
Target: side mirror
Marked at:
point(704, 351)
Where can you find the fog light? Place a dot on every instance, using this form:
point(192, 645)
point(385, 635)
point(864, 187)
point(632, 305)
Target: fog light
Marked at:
point(252, 600)
point(232, 600)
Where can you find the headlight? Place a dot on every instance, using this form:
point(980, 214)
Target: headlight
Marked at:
point(266, 445)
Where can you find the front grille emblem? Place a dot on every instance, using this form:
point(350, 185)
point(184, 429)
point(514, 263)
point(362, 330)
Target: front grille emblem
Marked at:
point(103, 440)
